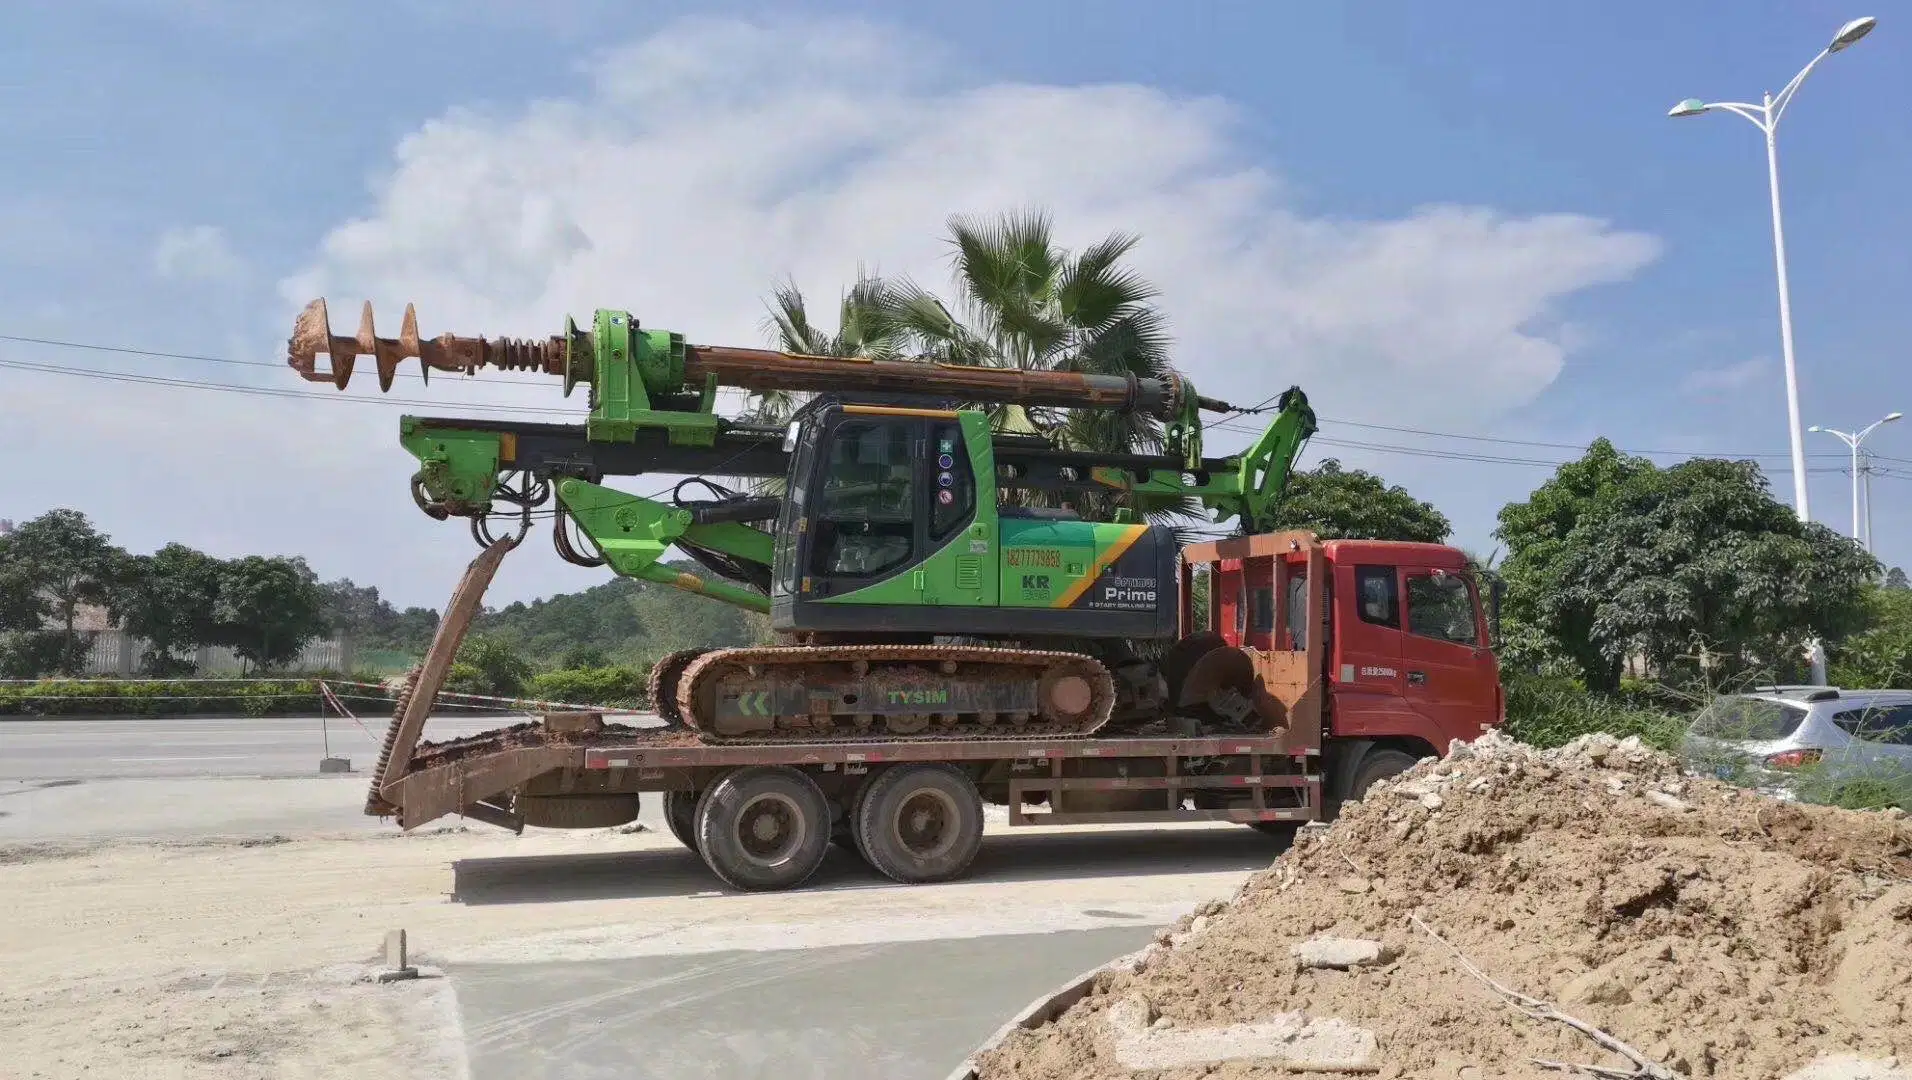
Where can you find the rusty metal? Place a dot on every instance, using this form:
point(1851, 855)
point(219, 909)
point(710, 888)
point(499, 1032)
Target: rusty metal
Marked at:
point(744, 368)
point(820, 675)
point(422, 685)
point(665, 675)
point(312, 334)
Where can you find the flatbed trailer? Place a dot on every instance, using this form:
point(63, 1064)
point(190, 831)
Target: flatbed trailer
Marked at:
point(1334, 687)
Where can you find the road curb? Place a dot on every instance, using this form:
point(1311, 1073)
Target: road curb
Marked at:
point(1047, 1008)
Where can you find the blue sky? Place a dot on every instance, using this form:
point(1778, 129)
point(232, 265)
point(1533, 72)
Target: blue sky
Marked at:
point(1473, 219)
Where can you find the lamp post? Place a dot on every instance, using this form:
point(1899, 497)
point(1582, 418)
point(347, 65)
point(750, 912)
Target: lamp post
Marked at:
point(1765, 116)
point(1853, 441)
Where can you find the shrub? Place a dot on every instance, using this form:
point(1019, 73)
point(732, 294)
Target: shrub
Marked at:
point(126, 697)
point(1549, 711)
point(611, 687)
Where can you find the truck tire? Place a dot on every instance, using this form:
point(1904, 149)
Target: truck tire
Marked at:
point(843, 829)
point(1377, 766)
point(680, 814)
point(920, 823)
point(763, 827)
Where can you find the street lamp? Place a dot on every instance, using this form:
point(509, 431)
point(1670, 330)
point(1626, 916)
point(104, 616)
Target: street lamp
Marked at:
point(1765, 116)
point(1852, 442)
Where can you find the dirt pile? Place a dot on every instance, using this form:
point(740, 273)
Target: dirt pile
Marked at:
point(1717, 932)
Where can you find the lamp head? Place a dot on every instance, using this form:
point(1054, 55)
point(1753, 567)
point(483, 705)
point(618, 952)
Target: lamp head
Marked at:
point(1889, 417)
point(1852, 32)
point(1690, 107)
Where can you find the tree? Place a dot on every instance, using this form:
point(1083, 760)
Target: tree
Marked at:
point(357, 611)
point(1880, 656)
point(171, 599)
point(64, 558)
point(503, 670)
point(1033, 305)
point(1339, 503)
point(1615, 556)
point(1895, 579)
point(268, 608)
point(866, 327)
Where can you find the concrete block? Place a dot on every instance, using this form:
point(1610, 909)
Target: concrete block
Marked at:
point(396, 966)
point(1328, 952)
point(1291, 1041)
point(335, 765)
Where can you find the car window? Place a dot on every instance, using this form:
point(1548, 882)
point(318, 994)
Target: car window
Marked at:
point(1748, 719)
point(1887, 724)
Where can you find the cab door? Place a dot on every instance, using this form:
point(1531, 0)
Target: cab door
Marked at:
point(1367, 646)
point(866, 519)
point(1445, 678)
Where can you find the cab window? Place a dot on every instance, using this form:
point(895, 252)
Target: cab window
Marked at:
point(1379, 598)
point(866, 508)
point(1441, 607)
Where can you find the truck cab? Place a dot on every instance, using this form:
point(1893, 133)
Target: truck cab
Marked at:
point(1380, 650)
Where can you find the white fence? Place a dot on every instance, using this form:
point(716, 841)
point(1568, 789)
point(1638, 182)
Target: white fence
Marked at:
point(117, 653)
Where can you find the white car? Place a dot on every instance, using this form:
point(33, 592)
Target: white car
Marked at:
point(1762, 735)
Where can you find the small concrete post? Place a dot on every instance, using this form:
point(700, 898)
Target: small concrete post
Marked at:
point(396, 966)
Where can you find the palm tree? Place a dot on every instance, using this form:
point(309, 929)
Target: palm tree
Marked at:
point(864, 328)
point(1028, 303)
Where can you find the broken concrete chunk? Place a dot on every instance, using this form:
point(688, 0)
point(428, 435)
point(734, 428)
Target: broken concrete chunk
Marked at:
point(1670, 802)
point(1433, 801)
point(1851, 1067)
point(1291, 1040)
point(1354, 885)
point(1412, 791)
point(1341, 953)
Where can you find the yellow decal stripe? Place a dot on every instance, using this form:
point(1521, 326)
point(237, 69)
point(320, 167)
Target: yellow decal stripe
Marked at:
point(1103, 560)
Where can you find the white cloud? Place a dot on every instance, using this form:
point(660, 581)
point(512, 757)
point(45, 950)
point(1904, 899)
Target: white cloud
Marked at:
point(1729, 379)
point(196, 253)
point(710, 161)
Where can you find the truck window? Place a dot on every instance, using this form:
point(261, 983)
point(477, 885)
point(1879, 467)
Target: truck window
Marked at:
point(1265, 610)
point(1380, 599)
point(1298, 610)
point(1441, 608)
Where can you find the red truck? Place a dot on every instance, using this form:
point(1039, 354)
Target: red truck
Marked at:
point(1343, 662)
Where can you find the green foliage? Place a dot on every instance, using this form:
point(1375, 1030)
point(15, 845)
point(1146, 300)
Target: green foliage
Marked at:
point(625, 686)
point(1339, 503)
point(1895, 579)
point(119, 697)
point(623, 620)
point(1552, 711)
point(1615, 555)
point(498, 665)
point(63, 558)
point(170, 598)
point(584, 656)
point(1879, 657)
point(268, 608)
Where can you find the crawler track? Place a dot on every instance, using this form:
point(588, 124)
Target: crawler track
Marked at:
point(829, 693)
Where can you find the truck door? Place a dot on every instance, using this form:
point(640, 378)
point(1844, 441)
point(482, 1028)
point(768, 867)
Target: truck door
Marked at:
point(1367, 647)
point(1442, 651)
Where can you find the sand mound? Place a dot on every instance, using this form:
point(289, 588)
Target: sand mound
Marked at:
point(1720, 933)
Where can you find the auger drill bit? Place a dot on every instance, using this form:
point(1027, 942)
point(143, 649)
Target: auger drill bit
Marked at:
point(313, 335)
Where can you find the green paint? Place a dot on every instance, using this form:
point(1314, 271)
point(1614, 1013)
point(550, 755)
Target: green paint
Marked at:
point(632, 533)
point(456, 467)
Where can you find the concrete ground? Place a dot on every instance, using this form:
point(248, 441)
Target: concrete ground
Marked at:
point(49, 749)
point(599, 953)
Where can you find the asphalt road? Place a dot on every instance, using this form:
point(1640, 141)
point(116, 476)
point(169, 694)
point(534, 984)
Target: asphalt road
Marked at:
point(198, 746)
point(886, 1011)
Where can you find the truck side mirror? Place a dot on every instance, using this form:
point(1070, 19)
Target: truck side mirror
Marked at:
point(1495, 591)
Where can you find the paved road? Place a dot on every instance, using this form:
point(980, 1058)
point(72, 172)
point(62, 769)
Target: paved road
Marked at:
point(197, 746)
point(887, 1011)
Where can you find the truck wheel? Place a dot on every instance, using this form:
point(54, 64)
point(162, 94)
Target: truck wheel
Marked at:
point(920, 823)
point(843, 829)
point(764, 827)
point(680, 813)
point(1379, 765)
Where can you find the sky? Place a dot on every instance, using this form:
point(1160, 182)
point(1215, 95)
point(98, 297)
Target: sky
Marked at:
point(1469, 231)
